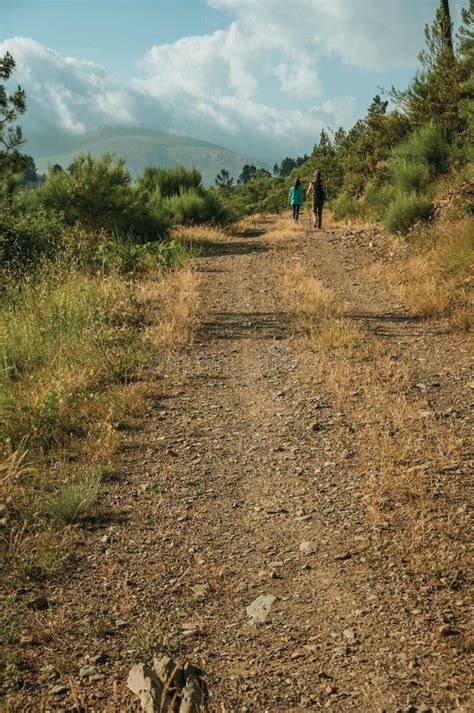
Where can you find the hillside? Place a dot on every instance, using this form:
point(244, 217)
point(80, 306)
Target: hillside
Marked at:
point(140, 146)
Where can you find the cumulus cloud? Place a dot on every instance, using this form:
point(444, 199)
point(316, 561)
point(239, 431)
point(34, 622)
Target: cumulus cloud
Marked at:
point(66, 92)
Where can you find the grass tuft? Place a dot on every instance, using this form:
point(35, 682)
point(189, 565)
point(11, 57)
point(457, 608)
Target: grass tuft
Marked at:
point(74, 499)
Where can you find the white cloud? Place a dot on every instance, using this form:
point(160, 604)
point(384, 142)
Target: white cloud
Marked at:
point(363, 33)
point(299, 79)
point(66, 92)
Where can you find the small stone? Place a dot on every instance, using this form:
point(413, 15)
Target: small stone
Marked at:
point(200, 590)
point(350, 635)
point(304, 518)
point(306, 567)
point(343, 556)
point(259, 610)
point(87, 671)
point(120, 623)
point(449, 630)
point(190, 627)
point(60, 690)
point(39, 604)
point(308, 547)
point(99, 658)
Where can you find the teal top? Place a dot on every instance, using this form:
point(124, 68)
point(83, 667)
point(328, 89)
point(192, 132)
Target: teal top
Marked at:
point(296, 195)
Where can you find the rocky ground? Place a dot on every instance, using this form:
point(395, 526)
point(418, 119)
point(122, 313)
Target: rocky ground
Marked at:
point(239, 536)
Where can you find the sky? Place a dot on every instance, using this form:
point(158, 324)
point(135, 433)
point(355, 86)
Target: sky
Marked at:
point(261, 77)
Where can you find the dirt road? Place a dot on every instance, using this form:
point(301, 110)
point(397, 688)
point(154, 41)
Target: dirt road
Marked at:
point(242, 482)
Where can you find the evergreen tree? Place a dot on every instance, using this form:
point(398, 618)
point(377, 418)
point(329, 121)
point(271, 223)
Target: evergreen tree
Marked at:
point(466, 70)
point(223, 179)
point(248, 172)
point(435, 92)
point(11, 106)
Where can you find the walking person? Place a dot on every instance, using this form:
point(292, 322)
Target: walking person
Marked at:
point(296, 198)
point(316, 189)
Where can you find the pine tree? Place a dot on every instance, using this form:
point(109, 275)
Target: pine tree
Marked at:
point(223, 179)
point(11, 106)
point(466, 69)
point(435, 92)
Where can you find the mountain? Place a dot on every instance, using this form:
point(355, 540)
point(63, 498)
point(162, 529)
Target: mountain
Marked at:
point(140, 147)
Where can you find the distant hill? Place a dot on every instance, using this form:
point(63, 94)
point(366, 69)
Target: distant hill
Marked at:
point(140, 147)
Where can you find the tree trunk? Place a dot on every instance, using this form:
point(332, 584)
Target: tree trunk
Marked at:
point(447, 25)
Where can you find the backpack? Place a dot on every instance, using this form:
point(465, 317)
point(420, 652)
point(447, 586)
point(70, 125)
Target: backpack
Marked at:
point(318, 191)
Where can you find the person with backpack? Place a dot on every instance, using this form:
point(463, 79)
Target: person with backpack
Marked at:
point(319, 196)
point(296, 198)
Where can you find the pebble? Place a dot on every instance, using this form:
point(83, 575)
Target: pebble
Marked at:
point(259, 609)
point(449, 630)
point(60, 690)
point(87, 671)
point(308, 547)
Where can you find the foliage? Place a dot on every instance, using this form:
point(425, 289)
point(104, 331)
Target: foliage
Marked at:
point(11, 107)
point(405, 210)
point(435, 93)
point(345, 207)
point(224, 179)
point(351, 159)
point(248, 173)
point(97, 193)
point(191, 207)
point(378, 197)
point(288, 165)
point(26, 236)
point(168, 181)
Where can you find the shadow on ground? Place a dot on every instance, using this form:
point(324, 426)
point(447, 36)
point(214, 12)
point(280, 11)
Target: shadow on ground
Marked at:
point(209, 248)
point(244, 325)
point(391, 324)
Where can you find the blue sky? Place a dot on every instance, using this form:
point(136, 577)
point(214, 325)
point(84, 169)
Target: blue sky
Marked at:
point(261, 77)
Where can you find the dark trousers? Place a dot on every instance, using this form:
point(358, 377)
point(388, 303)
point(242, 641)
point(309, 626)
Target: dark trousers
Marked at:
point(296, 211)
point(318, 205)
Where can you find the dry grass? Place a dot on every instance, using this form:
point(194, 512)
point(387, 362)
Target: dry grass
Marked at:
point(176, 301)
point(436, 277)
point(402, 451)
point(284, 232)
point(306, 299)
point(199, 234)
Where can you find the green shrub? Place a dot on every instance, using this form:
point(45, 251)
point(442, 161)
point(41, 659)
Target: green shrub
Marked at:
point(74, 499)
point(188, 207)
point(217, 211)
point(410, 177)
point(377, 198)
point(26, 237)
point(345, 207)
point(406, 210)
point(97, 193)
point(169, 181)
point(420, 159)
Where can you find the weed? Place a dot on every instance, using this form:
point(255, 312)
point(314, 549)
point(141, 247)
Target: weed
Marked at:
point(73, 500)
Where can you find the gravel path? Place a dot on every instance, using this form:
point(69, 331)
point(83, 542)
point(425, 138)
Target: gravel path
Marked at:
point(241, 483)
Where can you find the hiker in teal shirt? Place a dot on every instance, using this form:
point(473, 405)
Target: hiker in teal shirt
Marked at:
point(296, 198)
